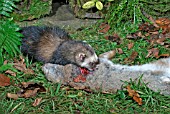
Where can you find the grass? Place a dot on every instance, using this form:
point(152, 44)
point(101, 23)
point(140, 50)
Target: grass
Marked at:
point(66, 100)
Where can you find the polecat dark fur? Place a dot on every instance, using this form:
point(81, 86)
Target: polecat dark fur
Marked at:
point(53, 45)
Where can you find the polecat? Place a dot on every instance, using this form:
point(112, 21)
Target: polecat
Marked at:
point(53, 45)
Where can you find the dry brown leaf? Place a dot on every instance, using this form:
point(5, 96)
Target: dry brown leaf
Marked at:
point(32, 85)
point(134, 94)
point(153, 52)
point(144, 27)
point(133, 56)
point(114, 38)
point(105, 28)
point(135, 36)
point(12, 96)
point(37, 102)
point(119, 50)
point(31, 93)
point(130, 45)
point(162, 21)
point(20, 65)
point(102, 25)
point(30, 89)
point(4, 80)
point(154, 32)
point(164, 55)
point(26, 84)
point(29, 71)
point(153, 21)
point(138, 100)
point(161, 41)
point(10, 72)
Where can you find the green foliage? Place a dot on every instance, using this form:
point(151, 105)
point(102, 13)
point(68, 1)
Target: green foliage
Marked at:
point(97, 3)
point(7, 6)
point(9, 35)
point(156, 8)
point(125, 14)
point(5, 67)
point(9, 39)
point(33, 10)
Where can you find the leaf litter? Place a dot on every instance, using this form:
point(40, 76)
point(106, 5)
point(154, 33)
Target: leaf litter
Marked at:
point(37, 101)
point(134, 95)
point(151, 33)
point(21, 66)
point(27, 90)
point(4, 80)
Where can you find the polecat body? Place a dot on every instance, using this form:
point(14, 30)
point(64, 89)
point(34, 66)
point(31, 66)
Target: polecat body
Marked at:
point(53, 45)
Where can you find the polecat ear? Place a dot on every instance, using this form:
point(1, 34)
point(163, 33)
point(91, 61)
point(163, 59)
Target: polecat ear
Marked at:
point(81, 56)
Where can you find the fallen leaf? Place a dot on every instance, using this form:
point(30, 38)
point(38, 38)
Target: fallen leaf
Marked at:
point(131, 58)
point(29, 71)
point(130, 45)
point(135, 36)
point(162, 21)
point(79, 78)
point(163, 55)
point(31, 93)
point(20, 65)
point(154, 32)
point(153, 21)
point(4, 80)
point(104, 28)
point(30, 89)
point(114, 38)
point(37, 102)
point(12, 96)
point(32, 85)
point(26, 84)
point(119, 50)
point(153, 52)
point(133, 55)
point(134, 95)
point(10, 72)
point(138, 100)
point(144, 27)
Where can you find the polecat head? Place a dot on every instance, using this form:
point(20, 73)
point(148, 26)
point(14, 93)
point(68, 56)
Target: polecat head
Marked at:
point(87, 58)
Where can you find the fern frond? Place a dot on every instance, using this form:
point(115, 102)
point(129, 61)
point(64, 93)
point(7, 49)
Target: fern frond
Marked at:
point(7, 6)
point(9, 39)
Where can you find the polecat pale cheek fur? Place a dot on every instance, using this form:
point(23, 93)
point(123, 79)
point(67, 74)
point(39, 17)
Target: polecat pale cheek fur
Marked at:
point(90, 62)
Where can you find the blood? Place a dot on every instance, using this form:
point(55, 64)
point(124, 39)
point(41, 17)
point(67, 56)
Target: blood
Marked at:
point(84, 71)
